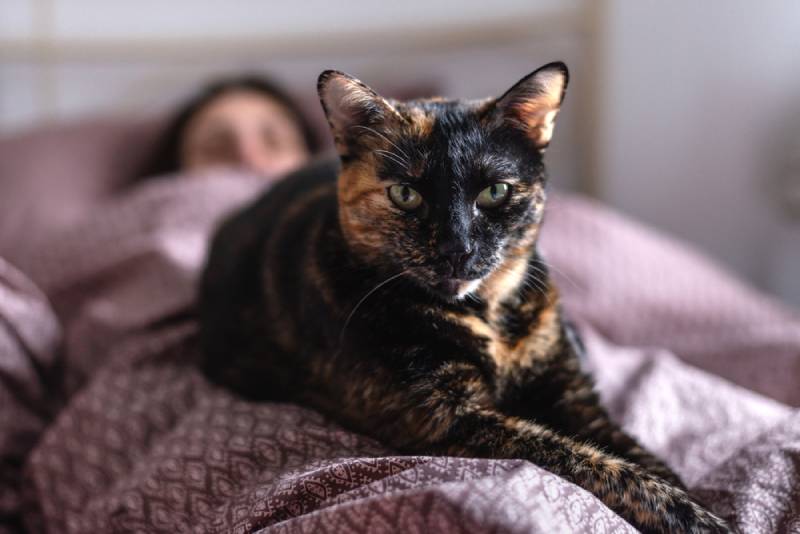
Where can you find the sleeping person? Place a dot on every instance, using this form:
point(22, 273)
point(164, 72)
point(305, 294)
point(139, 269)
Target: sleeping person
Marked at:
point(223, 145)
point(245, 122)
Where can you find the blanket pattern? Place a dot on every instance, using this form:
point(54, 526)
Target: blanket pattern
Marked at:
point(143, 443)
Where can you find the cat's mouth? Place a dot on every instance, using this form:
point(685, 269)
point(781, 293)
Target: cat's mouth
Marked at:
point(450, 286)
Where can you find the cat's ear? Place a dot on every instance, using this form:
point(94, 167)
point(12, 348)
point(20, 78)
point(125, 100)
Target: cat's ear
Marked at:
point(532, 104)
point(352, 108)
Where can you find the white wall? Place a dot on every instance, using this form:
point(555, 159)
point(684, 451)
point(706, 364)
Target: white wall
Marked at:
point(58, 56)
point(698, 117)
point(69, 59)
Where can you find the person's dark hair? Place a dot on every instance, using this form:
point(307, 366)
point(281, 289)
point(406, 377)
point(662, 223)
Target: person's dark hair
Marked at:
point(166, 158)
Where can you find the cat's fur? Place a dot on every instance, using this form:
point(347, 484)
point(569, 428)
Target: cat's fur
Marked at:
point(436, 330)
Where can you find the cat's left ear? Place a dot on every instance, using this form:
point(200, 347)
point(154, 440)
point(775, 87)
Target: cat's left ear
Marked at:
point(532, 104)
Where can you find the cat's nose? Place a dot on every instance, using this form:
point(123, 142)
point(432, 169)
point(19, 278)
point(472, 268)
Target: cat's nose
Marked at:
point(457, 255)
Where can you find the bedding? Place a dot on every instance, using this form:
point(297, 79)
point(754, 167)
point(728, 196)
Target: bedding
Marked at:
point(29, 382)
point(702, 369)
point(50, 176)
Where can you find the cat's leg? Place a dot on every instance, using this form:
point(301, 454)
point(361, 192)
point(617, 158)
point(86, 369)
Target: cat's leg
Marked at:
point(589, 421)
point(448, 411)
point(570, 404)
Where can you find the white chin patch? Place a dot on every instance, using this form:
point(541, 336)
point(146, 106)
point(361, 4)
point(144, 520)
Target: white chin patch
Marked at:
point(467, 288)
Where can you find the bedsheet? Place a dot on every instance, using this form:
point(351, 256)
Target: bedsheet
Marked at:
point(702, 369)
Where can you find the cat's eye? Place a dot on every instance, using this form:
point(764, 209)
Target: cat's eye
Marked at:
point(493, 196)
point(405, 197)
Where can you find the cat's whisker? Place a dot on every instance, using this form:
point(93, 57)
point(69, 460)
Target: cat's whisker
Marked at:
point(549, 295)
point(539, 270)
point(541, 284)
point(561, 272)
point(394, 157)
point(376, 132)
point(548, 266)
point(363, 299)
point(529, 280)
point(535, 283)
point(392, 154)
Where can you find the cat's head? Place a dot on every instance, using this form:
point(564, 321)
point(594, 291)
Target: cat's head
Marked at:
point(446, 190)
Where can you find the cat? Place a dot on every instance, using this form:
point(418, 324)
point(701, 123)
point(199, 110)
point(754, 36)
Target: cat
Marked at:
point(398, 289)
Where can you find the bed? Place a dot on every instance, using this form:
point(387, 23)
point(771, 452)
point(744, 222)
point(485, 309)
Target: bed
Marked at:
point(107, 425)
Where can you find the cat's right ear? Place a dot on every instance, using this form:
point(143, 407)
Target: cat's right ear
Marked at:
point(352, 108)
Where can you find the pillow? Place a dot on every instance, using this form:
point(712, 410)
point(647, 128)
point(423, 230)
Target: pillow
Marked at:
point(50, 176)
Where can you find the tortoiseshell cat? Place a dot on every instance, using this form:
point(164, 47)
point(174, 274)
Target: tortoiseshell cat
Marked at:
point(401, 293)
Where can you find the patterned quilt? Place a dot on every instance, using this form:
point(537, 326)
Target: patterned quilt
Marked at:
point(107, 426)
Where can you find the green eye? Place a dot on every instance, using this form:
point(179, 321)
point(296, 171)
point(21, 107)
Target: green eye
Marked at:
point(405, 197)
point(493, 196)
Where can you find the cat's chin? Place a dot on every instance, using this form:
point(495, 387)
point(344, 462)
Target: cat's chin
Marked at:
point(456, 289)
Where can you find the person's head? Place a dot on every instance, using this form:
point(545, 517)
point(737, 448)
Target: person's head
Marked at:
point(247, 122)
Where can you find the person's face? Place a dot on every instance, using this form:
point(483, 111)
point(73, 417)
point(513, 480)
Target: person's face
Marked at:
point(246, 129)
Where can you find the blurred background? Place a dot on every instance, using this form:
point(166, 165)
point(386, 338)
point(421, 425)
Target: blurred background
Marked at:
point(683, 114)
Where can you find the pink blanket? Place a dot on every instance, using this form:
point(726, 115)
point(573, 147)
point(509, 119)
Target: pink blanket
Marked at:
point(700, 368)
